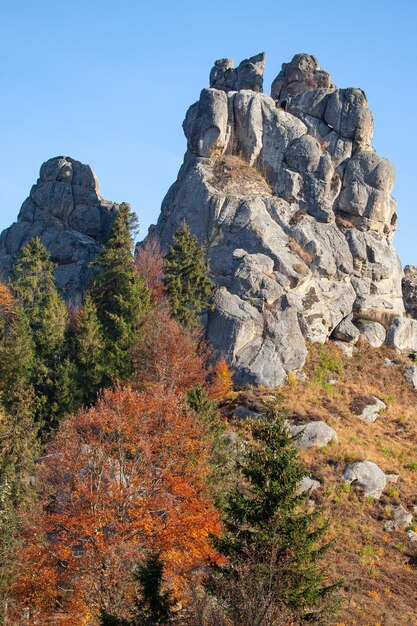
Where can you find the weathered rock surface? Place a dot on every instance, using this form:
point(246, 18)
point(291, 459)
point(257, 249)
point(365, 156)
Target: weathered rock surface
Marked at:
point(370, 478)
point(295, 210)
point(313, 434)
point(65, 210)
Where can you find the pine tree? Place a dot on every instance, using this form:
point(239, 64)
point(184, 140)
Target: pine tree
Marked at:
point(186, 277)
point(272, 540)
point(120, 295)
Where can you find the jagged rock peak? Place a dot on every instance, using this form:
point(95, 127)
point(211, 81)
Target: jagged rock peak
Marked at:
point(66, 211)
point(303, 73)
point(248, 75)
point(294, 207)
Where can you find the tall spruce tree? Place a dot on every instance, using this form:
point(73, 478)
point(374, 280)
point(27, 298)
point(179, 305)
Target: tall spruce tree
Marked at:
point(186, 278)
point(89, 352)
point(34, 288)
point(273, 536)
point(119, 293)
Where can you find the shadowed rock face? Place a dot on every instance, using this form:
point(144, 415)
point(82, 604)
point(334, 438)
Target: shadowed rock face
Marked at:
point(66, 211)
point(295, 209)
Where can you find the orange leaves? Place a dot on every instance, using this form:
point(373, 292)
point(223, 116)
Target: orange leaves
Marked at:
point(167, 355)
point(6, 303)
point(126, 476)
point(150, 265)
point(222, 381)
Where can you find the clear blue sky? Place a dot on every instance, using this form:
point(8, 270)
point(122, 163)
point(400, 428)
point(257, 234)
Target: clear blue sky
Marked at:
point(108, 83)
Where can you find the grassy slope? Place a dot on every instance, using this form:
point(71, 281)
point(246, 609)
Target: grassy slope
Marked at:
point(378, 567)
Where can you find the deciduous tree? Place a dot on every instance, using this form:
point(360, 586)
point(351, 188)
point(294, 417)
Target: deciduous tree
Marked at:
point(121, 479)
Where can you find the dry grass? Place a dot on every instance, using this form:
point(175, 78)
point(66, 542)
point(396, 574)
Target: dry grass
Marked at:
point(301, 252)
point(233, 175)
point(379, 568)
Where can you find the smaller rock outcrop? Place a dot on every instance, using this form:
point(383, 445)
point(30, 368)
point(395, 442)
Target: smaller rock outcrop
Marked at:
point(65, 210)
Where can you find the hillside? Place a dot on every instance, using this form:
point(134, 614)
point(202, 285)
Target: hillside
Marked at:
point(377, 566)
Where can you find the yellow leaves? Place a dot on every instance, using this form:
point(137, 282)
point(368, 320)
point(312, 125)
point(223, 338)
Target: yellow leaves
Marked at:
point(222, 383)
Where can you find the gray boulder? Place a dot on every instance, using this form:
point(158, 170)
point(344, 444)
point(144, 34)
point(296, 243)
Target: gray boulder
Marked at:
point(307, 485)
point(374, 332)
point(370, 478)
point(410, 375)
point(402, 334)
point(401, 519)
point(371, 411)
point(65, 210)
point(313, 434)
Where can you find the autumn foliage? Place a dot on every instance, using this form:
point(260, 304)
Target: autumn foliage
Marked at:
point(7, 303)
point(221, 387)
point(123, 477)
point(167, 355)
point(149, 264)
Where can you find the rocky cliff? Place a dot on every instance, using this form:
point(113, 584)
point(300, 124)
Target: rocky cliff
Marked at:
point(66, 211)
point(295, 209)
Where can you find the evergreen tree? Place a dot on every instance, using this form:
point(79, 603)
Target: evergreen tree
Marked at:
point(206, 410)
point(33, 285)
point(120, 295)
point(153, 607)
point(17, 360)
point(186, 278)
point(89, 352)
point(270, 530)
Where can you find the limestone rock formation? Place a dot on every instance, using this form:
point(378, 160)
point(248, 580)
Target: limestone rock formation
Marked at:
point(66, 211)
point(295, 210)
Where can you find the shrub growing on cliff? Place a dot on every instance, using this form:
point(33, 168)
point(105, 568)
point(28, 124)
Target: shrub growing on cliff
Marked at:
point(186, 277)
